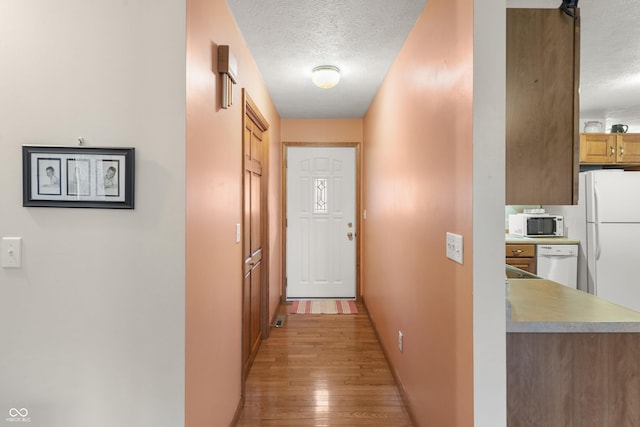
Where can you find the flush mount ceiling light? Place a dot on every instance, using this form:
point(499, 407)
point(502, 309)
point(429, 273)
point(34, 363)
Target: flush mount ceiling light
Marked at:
point(325, 76)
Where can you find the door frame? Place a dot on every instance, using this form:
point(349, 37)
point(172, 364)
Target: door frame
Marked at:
point(250, 109)
point(358, 219)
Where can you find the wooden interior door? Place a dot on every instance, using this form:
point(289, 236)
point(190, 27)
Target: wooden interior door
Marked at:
point(255, 291)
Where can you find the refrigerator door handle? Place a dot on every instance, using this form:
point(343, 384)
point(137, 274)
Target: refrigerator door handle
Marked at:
point(596, 220)
point(595, 203)
point(597, 236)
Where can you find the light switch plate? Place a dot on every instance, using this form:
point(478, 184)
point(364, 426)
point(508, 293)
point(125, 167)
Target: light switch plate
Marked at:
point(11, 252)
point(454, 247)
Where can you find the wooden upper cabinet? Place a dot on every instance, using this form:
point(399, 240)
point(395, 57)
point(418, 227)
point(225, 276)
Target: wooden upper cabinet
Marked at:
point(597, 148)
point(610, 148)
point(628, 147)
point(542, 107)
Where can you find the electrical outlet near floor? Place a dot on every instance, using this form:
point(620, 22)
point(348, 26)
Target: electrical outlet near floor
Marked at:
point(454, 247)
point(400, 337)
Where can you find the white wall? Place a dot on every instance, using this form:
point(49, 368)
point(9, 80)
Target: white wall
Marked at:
point(92, 326)
point(488, 203)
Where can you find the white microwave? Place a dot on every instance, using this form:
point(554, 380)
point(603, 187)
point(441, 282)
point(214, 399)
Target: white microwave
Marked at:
point(536, 225)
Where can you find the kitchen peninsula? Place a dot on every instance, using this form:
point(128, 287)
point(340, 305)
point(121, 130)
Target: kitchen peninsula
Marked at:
point(573, 360)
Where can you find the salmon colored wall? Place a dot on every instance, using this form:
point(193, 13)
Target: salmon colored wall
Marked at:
point(418, 185)
point(213, 208)
point(322, 130)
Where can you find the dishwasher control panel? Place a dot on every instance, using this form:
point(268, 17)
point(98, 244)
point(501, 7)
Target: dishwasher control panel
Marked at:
point(558, 250)
point(558, 263)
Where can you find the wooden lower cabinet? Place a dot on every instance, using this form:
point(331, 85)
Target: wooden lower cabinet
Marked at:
point(522, 256)
point(573, 379)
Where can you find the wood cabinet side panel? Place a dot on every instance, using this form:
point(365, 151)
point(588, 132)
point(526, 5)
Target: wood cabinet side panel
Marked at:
point(534, 399)
point(576, 105)
point(573, 380)
point(587, 369)
point(623, 385)
point(541, 121)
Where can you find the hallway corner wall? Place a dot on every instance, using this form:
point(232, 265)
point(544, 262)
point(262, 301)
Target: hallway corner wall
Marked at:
point(418, 164)
point(213, 208)
point(489, 327)
point(92, 324)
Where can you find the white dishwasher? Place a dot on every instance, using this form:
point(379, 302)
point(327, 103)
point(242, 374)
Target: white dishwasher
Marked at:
point(558, 263)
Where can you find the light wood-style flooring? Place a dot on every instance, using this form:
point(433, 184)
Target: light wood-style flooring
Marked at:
point(322, 370)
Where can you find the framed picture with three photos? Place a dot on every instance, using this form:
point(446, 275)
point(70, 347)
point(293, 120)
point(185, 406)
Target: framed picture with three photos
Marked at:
point(78, 177)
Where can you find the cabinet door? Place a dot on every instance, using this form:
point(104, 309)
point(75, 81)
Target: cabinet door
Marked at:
point(628, 145)
point(518, 250)
point(526, 264)
point(597, 148)
point(542, 144)
point(521, 256)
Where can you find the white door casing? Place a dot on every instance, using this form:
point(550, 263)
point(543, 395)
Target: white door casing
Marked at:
point(321, 222)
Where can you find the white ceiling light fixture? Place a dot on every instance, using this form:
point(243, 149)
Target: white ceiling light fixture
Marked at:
point(325, 76)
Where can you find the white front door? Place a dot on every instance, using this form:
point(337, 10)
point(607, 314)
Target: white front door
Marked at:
point(321, 222)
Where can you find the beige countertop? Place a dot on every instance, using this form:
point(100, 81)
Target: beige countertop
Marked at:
point(509, 238)
point(543, 306)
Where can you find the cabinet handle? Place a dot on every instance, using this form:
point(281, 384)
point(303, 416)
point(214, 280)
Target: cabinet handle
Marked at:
point(613, 151)
point(517, 251)
point(621, 151)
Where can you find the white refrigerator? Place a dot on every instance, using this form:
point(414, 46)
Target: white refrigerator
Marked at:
point(607, 223)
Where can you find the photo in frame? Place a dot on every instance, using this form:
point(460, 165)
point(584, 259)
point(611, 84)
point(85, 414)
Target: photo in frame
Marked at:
point(83, 177)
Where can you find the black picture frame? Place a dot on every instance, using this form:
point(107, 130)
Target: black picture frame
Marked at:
point(78, 177)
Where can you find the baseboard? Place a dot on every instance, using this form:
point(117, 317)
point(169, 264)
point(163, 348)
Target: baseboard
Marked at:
point(403, 392)
point(240, 407)
point(236, 416)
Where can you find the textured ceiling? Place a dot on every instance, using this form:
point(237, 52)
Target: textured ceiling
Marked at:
point(610, 62)
point(288, 38)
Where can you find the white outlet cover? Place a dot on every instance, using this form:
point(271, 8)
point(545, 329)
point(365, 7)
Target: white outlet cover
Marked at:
point(455, 247)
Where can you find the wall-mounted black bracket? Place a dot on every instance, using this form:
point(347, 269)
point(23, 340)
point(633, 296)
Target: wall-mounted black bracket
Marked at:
point(566, 7)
